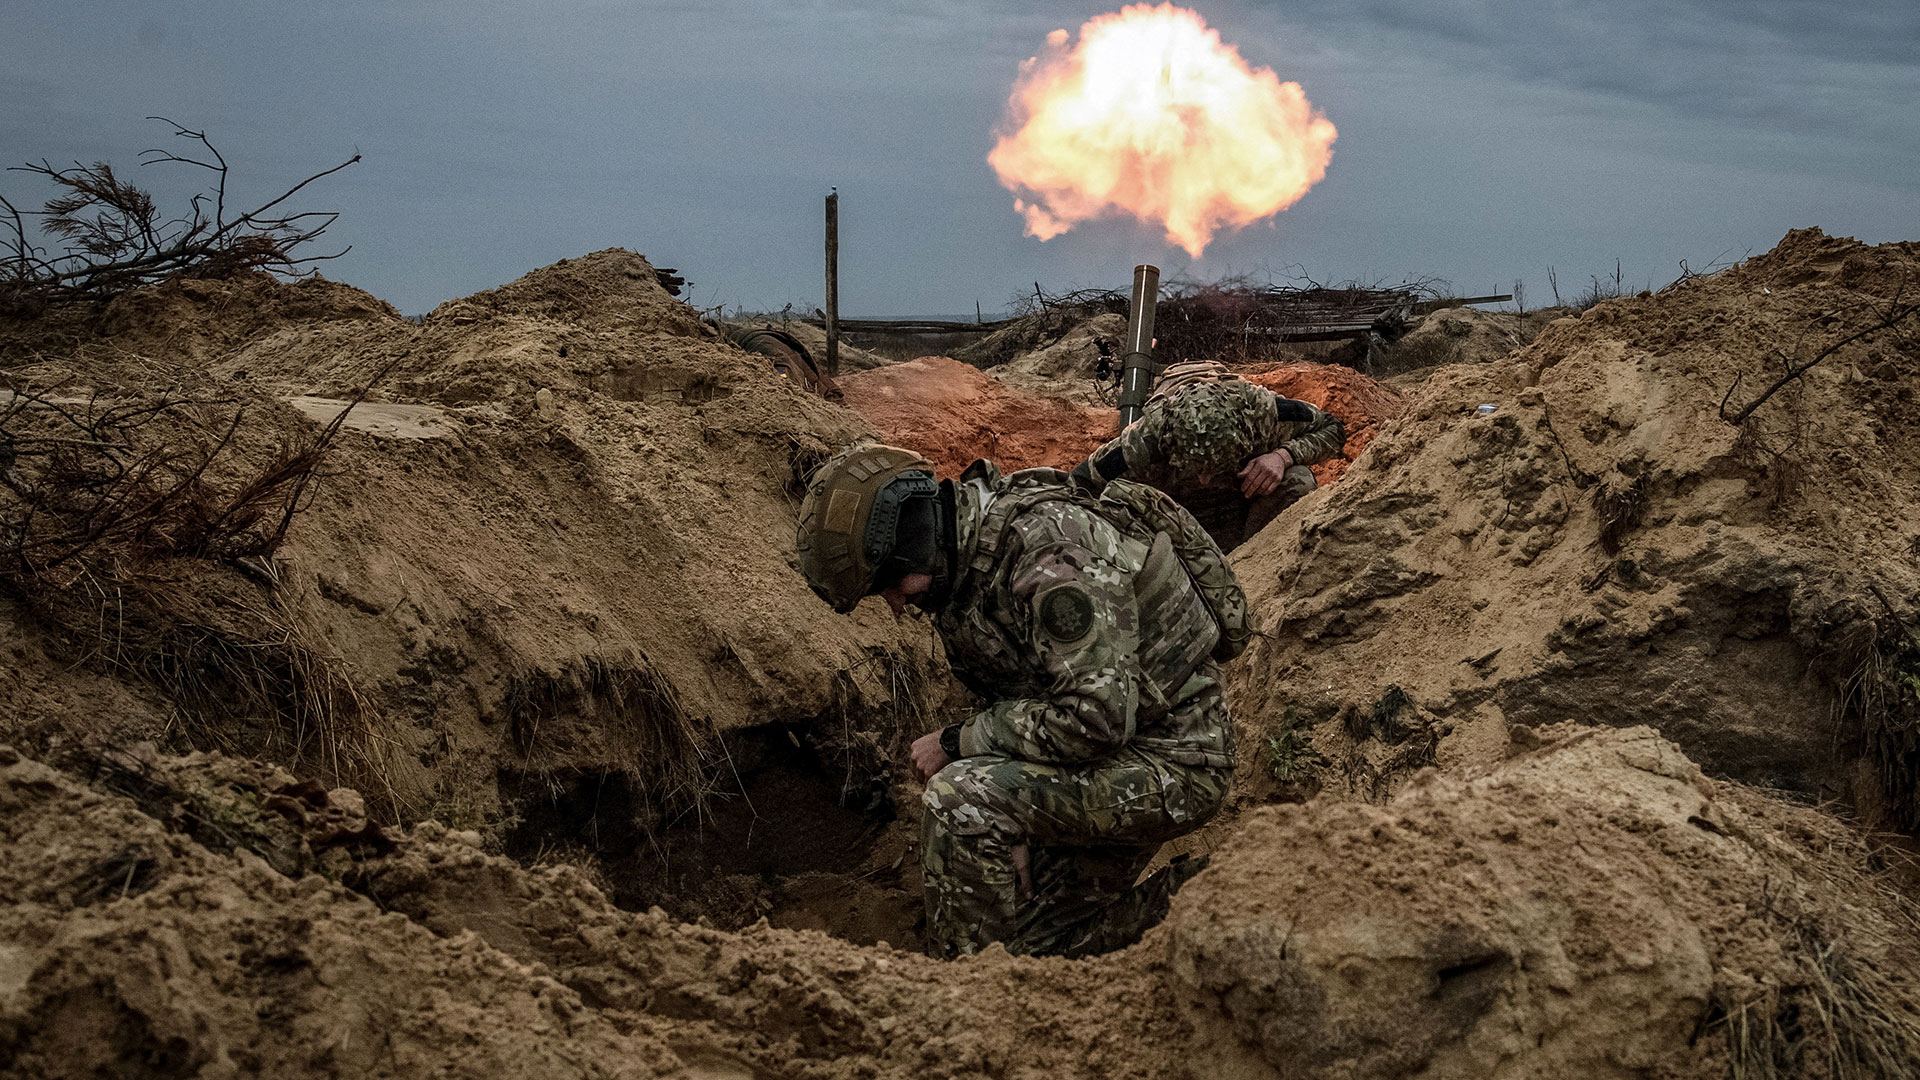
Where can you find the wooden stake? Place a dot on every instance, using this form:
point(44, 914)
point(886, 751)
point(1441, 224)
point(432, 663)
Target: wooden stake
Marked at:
point(833, 283)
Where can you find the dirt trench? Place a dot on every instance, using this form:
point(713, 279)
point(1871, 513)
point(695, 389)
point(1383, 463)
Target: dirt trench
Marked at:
point(615, 754)
point(806, 832)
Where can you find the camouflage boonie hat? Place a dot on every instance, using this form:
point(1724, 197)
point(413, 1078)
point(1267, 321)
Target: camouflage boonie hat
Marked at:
point(1207, 426)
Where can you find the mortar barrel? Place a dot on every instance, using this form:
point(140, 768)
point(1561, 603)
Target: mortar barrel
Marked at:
point(1136, 366)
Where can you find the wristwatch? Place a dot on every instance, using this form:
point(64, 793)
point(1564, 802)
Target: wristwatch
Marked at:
point(950, 740)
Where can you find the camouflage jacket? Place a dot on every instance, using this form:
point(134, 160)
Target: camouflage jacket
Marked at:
point(1082, 638)
point(1210, 429)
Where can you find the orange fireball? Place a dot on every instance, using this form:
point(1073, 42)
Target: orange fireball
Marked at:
point(1151, 114)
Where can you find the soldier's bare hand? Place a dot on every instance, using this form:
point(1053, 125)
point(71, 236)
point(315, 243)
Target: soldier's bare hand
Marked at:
point(1262, 475)
point(928, 756)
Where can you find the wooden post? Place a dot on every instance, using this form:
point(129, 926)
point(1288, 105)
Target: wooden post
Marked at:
point(833, 283)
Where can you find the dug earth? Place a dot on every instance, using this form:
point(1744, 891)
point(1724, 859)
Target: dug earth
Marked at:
point(483, 728)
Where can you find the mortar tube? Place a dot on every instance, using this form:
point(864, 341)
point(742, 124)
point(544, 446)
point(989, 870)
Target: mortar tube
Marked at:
point(1136, 364)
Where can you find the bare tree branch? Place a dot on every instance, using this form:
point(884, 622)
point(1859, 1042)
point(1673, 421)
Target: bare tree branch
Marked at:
point(114, 239)
point(1896, 312)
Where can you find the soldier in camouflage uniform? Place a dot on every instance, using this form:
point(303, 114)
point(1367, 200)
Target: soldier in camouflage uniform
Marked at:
point(1233, 453)
point(1104, 731)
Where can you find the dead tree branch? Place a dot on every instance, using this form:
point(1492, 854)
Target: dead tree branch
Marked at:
point(1897, 311)
point(112, 236)
point(86, 482)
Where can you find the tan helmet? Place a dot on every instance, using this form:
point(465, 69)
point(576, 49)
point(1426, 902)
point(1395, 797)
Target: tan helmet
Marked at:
point(849, 518)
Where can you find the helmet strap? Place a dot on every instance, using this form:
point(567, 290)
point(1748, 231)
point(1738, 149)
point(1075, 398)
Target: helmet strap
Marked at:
point(946, 551)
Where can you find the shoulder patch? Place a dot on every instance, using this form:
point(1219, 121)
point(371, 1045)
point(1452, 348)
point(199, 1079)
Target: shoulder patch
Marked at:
point(1066, 613)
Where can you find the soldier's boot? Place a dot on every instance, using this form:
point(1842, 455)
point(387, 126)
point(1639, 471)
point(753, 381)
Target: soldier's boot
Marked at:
point(1074, 890)
point(1139, 910)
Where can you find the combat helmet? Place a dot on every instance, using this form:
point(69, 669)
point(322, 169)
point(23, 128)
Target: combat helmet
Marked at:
point(850, 543)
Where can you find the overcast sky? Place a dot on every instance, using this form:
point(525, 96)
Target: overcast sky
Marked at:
point(1480, 142)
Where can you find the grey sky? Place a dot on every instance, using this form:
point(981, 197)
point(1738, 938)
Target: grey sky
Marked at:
point(1479, 142)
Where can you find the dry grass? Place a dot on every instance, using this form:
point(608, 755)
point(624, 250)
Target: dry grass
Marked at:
point(672, 754)
point(241, 672)
point(1620, 501)
point(1882, 698)
point(140, 534)
point(1841, 1017)
point(1842, 1005)
point(1415, 353)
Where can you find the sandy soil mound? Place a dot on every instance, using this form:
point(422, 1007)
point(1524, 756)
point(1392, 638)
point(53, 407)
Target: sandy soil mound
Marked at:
point(1604, 546)
point(1595, 907)
point(549, 568)
point(1463, 335)
point(954, 413)
point(542, 598)
point(188, 322)
point(1063, 366)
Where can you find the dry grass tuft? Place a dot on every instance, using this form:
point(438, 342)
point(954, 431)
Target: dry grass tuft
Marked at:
point(1841, 1017)
point(1842, 1006)
point(1620, 500)
point(1882, 695)
point(634, 710)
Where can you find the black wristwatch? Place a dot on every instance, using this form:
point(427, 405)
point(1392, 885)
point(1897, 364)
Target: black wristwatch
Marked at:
point(950, 740)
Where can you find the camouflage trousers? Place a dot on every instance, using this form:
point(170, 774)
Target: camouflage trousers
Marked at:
point(1088, 829)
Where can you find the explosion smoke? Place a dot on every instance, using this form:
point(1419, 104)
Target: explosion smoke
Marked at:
point(1151, 114)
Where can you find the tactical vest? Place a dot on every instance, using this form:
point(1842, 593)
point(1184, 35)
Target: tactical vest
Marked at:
point(1177, 547)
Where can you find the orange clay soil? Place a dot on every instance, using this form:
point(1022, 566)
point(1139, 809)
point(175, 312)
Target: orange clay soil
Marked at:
point(953, 413)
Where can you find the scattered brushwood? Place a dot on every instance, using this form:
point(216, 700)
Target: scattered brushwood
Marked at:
point(140, 535)
point(101, 235)
point(91, 481)
point(1237, 320)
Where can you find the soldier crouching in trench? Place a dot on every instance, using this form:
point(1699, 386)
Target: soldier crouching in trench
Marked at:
point(1090, 625)
point(1233, 453)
